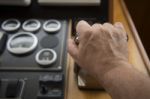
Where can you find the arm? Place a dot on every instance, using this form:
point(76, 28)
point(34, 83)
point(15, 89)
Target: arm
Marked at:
point(125, 82)
point(102, 51)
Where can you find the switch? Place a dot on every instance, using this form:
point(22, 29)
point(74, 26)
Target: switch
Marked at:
point(43, 89)
point(13, 88)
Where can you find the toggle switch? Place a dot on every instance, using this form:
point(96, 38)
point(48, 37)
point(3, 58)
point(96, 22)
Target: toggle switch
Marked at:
point(43, 89)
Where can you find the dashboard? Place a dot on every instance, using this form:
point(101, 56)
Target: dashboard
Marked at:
point(33, 45)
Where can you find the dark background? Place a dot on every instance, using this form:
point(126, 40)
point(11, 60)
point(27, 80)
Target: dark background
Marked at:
point(140, 13)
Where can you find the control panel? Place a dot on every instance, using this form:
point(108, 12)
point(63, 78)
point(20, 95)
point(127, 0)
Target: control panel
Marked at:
point(33, 47)
point(33, 58)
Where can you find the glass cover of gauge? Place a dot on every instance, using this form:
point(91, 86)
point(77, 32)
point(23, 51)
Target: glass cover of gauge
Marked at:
point(52, 26)
point(22, 43)
point(46, 57)
point(11, 25)
point(31, 25)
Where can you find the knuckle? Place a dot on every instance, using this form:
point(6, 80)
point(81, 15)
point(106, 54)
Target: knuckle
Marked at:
point(107, 24)
point(87, 33)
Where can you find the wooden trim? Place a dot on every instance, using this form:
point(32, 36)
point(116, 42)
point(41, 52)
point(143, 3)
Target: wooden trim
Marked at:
point(68, 62)
point(111, 13)
point(136, 37)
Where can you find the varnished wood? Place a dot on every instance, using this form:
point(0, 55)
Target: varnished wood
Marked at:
point(137, 38)
point(136, 57)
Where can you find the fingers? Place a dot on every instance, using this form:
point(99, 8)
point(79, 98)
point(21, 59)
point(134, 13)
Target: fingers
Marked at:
point(83, 27)
point(72, 49)
point(97, 27)
point(120, 26)
point(110, 31)
point(84, 30)
point(108, 27)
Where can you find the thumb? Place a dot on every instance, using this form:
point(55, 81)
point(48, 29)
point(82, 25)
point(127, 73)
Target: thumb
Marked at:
point(73, 49)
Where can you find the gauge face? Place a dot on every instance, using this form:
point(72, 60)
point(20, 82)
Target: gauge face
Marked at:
point(52, 26)
point(11, 25)
point(22, 43)
point(46, 57)
point(31, 25)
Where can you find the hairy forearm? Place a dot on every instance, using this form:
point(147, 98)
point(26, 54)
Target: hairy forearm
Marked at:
point(124, 82)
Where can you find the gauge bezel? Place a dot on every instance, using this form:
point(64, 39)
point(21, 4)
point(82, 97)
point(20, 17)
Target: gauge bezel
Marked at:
point(45, 62)
point(10, 29)
point(22, 50)
point(29, 29)
point(52, 30)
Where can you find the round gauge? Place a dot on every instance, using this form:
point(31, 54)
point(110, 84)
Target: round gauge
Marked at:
point(46, 57)
point(52, 26)
point(22, 43)
point(11, 25)
point(31, 25)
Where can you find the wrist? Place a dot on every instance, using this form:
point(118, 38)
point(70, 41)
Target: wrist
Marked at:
point(114, 68)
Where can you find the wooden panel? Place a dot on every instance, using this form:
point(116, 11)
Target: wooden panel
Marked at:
point(139, 10)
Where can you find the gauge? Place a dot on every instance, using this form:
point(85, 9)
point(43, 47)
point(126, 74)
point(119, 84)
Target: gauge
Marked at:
point(11, 25)
point(22, 43)
point(52, 26)
point(31, 25)
point(46, 57)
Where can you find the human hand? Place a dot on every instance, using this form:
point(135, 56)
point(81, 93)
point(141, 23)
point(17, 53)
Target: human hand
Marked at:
point(101, 47)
